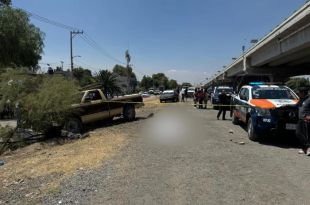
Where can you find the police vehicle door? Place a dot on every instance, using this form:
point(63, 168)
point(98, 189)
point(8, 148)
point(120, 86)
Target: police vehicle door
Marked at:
point(243, 103)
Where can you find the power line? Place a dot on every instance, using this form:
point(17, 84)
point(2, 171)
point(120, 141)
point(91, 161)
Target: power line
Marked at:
point(85, 64)
point(97, 47)
point(86, 37)
point(48, 21)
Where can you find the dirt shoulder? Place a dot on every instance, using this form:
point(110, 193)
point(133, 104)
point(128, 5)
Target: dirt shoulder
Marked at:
point(207, 166)
point(37, 170)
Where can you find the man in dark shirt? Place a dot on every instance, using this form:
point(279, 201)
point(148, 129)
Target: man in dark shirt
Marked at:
point(186, 93)
point(302, 131)
point(303, 95)
point(222, 103)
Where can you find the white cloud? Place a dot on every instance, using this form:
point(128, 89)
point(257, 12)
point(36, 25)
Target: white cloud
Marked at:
point(171, 71)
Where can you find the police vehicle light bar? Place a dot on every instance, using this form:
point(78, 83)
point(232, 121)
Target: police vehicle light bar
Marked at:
point(257, 83)
point(265, 83)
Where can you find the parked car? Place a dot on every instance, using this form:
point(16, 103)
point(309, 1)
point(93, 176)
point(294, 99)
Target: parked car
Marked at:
point(266, 108)
point(191, 92)
point(151, 91)
point(94, 106)
point(217, 91)
point(157, 92)
point(169, 95)
point(145, 95)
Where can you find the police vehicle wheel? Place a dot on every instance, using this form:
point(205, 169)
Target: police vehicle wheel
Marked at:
point(235, 120)
point(251, 132)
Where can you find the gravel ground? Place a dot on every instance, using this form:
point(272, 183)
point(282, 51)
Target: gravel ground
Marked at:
point(186, 156)
point(32, 172)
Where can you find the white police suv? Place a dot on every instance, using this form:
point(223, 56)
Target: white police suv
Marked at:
point(265, 108)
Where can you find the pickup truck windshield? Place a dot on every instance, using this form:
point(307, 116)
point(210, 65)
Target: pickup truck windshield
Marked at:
point(272, 93)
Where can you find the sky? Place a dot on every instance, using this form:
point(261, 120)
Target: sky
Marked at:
point(188, 40)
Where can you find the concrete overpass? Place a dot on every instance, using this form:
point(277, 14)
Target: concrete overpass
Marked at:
point(282, 53)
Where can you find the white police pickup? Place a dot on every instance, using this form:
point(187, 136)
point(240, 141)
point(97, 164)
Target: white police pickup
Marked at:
point(265, 108)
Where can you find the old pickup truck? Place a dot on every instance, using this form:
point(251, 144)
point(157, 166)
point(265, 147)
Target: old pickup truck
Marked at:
point(94, 106)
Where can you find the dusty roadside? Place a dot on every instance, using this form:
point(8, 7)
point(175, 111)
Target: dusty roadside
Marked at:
point(212, 168)
point(37, 170)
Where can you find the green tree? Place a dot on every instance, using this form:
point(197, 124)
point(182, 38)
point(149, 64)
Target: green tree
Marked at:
point(83, 76)
point(295, 83)
point(160, 80)
point(49, 104)
point(43, 99)
point(127, 72)
point(172, 84)
point(5, 2)
point(109, 82)
point(21, 42)
point(17, 84)
point(121, 70)
point(146, 82)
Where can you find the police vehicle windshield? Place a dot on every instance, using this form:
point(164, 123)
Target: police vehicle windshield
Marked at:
point(226, 90)
point(273, 93)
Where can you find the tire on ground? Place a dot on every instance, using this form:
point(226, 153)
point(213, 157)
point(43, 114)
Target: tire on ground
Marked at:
point(73, 125)
point(235, 119)
point(251, 132)
point(129, 112)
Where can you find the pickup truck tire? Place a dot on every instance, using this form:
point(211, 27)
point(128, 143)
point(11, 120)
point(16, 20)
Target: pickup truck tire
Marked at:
point(235, 119)
point(129, 112)
point(74, 125)
point(251, 132)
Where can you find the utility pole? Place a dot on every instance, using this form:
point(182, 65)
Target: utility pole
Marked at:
point(72, 35)
point(62, 65)
point(243, 58)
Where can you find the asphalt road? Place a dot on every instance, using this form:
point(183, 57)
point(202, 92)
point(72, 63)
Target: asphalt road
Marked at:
point(185, 156)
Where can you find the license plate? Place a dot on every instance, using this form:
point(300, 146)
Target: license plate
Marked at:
point(290, 126)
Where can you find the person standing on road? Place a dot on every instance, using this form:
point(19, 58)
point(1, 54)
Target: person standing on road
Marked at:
point(302, 131)
point(303, 95)
point(200, 98)
point(205, 100)
point(195, 97)
point(222, 104)
point(185, 93)
point(182, 95)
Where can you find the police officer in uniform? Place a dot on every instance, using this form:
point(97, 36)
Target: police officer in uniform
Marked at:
point(223, 98)
point(302, 131)
point(186, 93)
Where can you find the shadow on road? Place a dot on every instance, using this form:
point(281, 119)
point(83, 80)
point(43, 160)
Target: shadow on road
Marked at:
point(285, 141)
point(114, 122)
